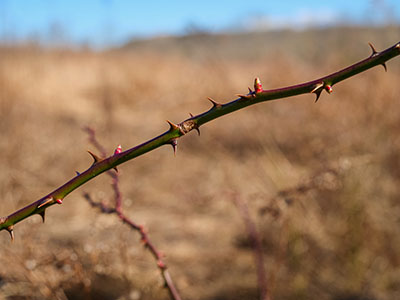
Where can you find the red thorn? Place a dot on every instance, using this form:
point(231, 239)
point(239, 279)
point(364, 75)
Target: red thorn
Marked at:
point(59, 201)
point(45, 202)
point(144, 241)
point(373, 49)
point(10, 230)
point(257, 85)
point(42, 214)
point(118, 150)
point(328, 88)
point(161, 264)
point(214, 103)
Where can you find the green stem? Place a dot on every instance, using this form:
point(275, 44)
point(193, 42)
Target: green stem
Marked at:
point(176, 131)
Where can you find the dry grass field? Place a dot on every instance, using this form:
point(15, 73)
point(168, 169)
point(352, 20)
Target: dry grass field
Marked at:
point(321, 181)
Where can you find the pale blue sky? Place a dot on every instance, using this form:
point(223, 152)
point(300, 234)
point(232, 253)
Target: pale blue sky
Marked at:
point(104, 22)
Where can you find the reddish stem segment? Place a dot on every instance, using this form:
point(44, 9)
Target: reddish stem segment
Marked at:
point(169, 283)
point(118, 211)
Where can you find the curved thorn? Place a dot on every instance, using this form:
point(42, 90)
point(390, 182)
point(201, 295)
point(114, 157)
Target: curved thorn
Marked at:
point(373, 49)
point(214, 103)
point(317, 87)
point(384, 66)
point(198, 130)
point(317, 93)
point(172, 126)
point(42, 214)
point(59, 201)
point(250, 91)
point(95, 157)
point(77, 173)
point(10, 230)
point(45, 202)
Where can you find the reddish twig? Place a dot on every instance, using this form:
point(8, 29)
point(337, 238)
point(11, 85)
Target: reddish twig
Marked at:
point(104, 208)
point(257, 247)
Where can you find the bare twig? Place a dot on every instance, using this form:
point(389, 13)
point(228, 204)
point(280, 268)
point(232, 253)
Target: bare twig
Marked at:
point(117, 209)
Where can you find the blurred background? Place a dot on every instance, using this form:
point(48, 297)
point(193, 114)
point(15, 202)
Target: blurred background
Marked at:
point(320, 181)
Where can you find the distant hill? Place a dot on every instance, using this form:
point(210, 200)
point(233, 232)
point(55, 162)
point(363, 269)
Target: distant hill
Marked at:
point(308, 44)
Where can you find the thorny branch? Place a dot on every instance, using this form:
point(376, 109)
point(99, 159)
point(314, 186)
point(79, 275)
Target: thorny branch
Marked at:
point(101, 165)
point(104, 208)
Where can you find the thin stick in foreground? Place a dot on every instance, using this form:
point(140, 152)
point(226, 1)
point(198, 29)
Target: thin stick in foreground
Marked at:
point(117, 210)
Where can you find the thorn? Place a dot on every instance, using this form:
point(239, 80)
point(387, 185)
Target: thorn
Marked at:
point(45, 202)
point(174, 144)
point(95, 157)
point(317, 93)
point(257, 85)
point(384, 66)
point(173, 127)
point(116, 169)
point(373, 49)
point(118, 150)
point(42, 214)
point(198, 130)
point(250, 91)
point(214, 103)
point(328, 88)
point(191, 115)
point(317, 87)
point(59, 201)
point(161, 265)
point(77, 173)
point(244, 97)
point(317, 90)
point(10, 230)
